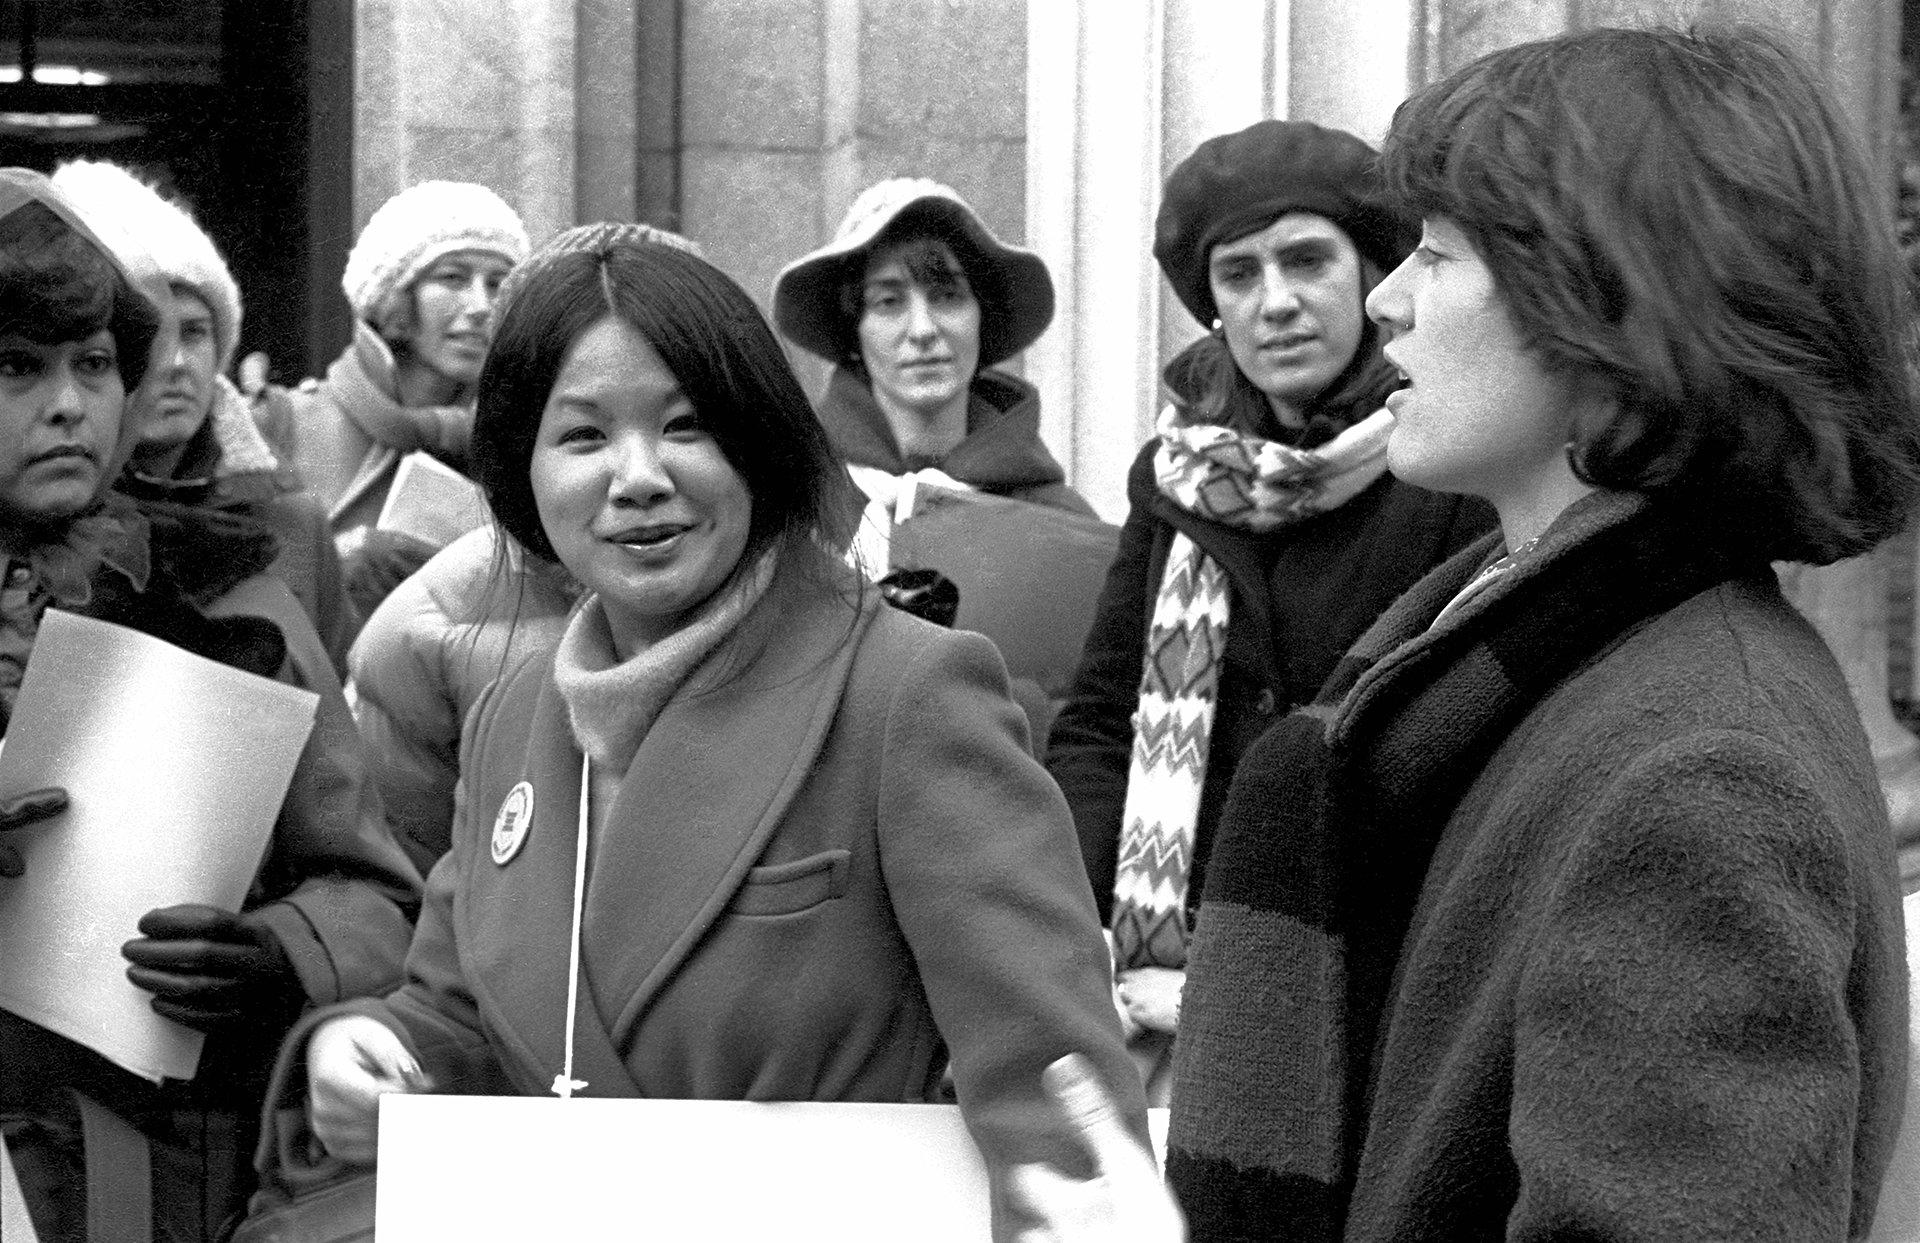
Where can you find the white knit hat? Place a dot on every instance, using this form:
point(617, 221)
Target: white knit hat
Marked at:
point(121, 207)
point(416, 227)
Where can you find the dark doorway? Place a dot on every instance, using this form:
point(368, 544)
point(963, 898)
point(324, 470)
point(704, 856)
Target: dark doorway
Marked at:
point(242, 109)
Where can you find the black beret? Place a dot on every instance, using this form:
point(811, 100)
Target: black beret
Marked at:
point(1235, 184)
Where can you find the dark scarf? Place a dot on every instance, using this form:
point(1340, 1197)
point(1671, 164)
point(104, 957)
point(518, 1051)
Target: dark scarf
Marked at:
point(151, 566)
point(198, 555)
point(1325, 840)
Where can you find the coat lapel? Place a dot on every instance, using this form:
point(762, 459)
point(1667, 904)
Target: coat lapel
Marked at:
point(704, 793)
point(516, 920)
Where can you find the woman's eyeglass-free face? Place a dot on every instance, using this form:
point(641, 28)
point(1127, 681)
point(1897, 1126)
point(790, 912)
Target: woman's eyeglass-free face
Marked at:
point(633, 491)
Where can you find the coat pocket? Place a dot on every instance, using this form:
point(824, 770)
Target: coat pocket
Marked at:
point(794, 886)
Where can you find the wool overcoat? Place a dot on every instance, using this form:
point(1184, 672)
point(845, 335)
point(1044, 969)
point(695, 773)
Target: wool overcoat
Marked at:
point(1002, 452)
point(1654, 986)
point(818, 877)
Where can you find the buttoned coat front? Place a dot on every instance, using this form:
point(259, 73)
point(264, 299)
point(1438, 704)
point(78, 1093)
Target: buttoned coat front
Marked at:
point(818, 870)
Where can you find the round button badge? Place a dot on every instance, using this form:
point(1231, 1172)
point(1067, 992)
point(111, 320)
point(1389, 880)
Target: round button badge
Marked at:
point(511, 826)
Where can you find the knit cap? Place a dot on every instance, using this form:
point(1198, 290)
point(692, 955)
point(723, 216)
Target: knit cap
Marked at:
point(598, 238)
point(416, 227)
point(123, 208)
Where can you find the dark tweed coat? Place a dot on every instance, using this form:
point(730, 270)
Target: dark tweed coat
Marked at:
point(1654, 986)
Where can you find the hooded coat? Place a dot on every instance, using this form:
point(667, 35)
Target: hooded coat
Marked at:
point(1002, 453)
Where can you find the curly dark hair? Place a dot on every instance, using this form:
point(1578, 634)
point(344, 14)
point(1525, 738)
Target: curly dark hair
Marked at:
point(1683, 217)
point(57, 285)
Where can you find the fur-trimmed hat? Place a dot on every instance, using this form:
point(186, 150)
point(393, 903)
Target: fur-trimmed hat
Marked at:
point(1015, 290)
point(119, 204)
point(416, 227)
point(1236, 184)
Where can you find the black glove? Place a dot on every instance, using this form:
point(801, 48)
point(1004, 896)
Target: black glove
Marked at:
point(209, 968)
point(927, 594)
point(22, 810)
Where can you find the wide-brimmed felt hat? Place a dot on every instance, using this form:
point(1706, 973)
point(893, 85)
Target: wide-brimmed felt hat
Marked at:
point(1235, 184)
point(1013, 285)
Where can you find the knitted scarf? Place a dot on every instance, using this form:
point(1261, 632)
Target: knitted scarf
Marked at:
point(1326, 837)
point(612, 703)
point(1238, 480)
point(363, 380)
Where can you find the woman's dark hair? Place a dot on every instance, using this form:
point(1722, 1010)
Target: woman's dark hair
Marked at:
point(56, 285)
point(1214, 389)
point(725, 359)
point(913, 232)
point(1683, 218)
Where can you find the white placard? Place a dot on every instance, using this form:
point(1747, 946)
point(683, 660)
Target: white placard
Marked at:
point(175, 768)
point(431, 501)
point(488, 1169)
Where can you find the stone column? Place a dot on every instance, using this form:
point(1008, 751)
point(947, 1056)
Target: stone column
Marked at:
point(607, 75)
point(447, 89)
point(1095, 128)
point(789, 108)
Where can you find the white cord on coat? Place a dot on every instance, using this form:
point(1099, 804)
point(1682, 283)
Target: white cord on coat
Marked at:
point(564, 1084)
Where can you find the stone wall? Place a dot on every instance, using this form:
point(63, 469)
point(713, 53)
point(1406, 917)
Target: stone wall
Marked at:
point(789, 108)
point(466, 92)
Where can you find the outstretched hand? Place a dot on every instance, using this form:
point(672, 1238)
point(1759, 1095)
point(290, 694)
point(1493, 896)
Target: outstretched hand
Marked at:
point(20, 811)
point(1126, 1201)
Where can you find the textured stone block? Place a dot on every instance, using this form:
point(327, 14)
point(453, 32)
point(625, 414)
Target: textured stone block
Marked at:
point(943, 68)
point(752, 211)
point(454, 69)
point(752, 74)
point(990, 173)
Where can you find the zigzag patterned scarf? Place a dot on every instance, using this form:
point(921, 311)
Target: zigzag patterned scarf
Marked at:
point(1326, 838)
point(1241, 481)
